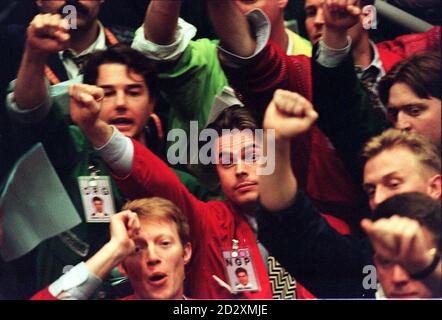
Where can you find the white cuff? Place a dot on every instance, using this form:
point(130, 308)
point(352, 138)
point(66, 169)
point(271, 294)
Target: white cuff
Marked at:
point(329, 57)
point(118, 153)
point(27, 116)
point(78, 284)
point(261, 28)
point(171, 52)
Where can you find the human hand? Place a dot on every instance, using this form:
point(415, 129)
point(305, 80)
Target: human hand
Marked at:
point(46, 34)
point(290, 114)
point(340, 15)
point(400, 240)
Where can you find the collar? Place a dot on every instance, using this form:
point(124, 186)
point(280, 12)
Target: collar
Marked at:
point(99, 44)
point(289, 44)
point(375, 65)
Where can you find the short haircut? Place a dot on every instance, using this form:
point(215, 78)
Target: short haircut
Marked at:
point(421, 72)
point(122, 54)
point(234, 117)
point(97, 199)
point(161, 208)
point(239, 270)
point(414, 205)
point(425, 151)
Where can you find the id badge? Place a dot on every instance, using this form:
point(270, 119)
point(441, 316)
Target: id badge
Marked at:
point(240, 270)
point(96, 195)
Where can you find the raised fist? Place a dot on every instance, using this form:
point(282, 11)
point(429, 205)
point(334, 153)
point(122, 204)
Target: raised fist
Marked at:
point(48, 33)
point(341, 14)
point(85, 104)
point(290, 114)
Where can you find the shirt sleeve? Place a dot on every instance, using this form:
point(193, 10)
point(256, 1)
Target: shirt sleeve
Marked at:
point(328, 264)
point(118, 153)
point(330, 57)
point(28, 116)
point(171, 52)
point(261, 29)
point(77, 284)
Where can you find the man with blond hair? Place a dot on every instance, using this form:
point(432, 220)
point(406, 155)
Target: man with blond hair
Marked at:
point(149, 240)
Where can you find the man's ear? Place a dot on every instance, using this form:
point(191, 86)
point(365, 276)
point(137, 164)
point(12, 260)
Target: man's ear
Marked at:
point(282, 4)
point(435, 187)
point(187, 253)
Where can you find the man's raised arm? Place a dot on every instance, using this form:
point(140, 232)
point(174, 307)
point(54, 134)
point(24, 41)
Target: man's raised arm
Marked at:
point(46, 34)
point(290, 115)
point(232, 27)
point(161, 21)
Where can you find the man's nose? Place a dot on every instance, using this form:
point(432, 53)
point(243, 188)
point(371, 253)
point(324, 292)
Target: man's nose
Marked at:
point(403, 121)
point(399, 276)
point(152, 256)
point(319, 18)
point(241, 168)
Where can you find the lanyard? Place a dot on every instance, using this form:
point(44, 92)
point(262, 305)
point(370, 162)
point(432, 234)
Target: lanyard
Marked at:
point(52, 77)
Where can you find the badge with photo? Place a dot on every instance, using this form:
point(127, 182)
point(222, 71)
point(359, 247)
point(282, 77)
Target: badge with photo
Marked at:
point(96, 194)
point(240, 270)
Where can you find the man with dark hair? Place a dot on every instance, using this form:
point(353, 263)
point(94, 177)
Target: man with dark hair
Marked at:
point(123, 76)
point(411, 92)
point(98, 205)
point(406, 236)
point(243, 278)
point(220, 230)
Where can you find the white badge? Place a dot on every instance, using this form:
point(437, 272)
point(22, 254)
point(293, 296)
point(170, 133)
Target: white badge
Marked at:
point(240, 270)
point(96, 194)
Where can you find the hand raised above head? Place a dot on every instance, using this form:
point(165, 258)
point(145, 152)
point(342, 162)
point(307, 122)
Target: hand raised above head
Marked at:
point(341, 14)
point(290, 114)
point(48, 33)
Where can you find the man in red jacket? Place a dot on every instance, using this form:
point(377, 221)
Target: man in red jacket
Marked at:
point(150, 240)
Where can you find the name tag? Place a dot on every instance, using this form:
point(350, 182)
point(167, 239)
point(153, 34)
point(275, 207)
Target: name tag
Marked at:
point(240, 270)
point(97, 199)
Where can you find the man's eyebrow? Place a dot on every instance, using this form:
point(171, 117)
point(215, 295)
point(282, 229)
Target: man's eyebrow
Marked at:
point(130, 86)
point(408, 105)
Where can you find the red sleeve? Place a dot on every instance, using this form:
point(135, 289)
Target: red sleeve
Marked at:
point(43, 295)
point(269, 70)
point(151, 177)
point(393, 51)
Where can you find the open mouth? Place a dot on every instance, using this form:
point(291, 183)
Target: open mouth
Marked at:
point(122, 123)
point(157, 279)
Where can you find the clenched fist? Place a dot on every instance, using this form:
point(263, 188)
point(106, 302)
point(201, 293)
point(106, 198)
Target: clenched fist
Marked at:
point(85, 104)
point(48, 33)
point(341, 14)
point(290, 114)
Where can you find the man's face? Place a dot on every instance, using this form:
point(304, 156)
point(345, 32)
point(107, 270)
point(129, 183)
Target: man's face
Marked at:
point(409, 112)
point(274, 9)
point(127, 103)
point(394, 171)
point(98, 205)
point(243, 278)
point(314, 22)
point(87, 10)
point(237, 167)
point(396, 282)
point(156, 269)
